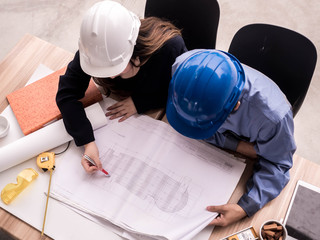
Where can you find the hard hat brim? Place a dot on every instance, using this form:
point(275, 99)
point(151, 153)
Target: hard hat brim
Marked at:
point(103, 72)
point(185, 129)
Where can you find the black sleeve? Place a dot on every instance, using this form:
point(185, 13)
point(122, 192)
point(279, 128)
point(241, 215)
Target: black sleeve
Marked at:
point(152, 89)
point(72, 87)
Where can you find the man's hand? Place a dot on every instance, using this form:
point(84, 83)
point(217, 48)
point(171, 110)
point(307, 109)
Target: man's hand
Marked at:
point(92, 151)
point(123, 109)
point(228, 213)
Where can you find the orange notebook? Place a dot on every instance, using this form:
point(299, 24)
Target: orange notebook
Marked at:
point(35, 104)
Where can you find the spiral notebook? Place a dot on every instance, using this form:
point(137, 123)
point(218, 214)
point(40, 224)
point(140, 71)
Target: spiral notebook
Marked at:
point(34, 105)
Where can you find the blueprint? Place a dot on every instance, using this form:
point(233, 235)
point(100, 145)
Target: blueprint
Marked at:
point(160, 184)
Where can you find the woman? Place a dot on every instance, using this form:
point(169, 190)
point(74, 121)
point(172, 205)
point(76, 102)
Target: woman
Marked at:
point(124, 55)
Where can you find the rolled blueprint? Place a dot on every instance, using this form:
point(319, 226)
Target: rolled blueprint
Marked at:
point(45, 139)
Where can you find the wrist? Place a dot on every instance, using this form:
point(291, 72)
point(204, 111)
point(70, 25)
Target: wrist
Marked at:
point(247, 149)
point(89, 145)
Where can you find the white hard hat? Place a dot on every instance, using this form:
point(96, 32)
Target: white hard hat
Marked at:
point(108, 34)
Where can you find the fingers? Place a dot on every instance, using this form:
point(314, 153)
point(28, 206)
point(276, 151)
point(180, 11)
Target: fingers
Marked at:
point(126, 116)
point(218, 221)
point(116, 105)
point(91, 150)
point(218, 209)
point(88, 167)
point(228, 214)
point(115, 109)
point(98, 163)
point(122, 110)
point(116, 114)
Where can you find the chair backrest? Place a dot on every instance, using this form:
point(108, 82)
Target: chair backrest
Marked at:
point(285, 56)
point(198, 19)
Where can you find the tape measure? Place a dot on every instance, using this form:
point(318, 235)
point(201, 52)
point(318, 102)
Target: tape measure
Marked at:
point(46, 162)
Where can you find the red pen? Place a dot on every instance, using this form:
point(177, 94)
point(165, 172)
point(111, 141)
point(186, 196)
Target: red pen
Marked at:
point(93, 163)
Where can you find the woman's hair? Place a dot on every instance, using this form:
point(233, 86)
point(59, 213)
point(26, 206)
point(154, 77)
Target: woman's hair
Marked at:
point(153, 34)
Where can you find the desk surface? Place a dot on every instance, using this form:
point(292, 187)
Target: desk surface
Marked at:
point(18, 66)
point(15, 70)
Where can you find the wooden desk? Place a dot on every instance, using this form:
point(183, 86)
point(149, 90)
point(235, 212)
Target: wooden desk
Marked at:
point(18, 66)
point(15, 70)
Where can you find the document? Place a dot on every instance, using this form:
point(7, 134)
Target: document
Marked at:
point(160, 184)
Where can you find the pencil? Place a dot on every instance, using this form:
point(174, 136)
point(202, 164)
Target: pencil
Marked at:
point(93, 163)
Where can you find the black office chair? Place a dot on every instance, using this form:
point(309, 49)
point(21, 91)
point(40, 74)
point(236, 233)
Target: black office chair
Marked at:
point(285, 56)
point(198, 19)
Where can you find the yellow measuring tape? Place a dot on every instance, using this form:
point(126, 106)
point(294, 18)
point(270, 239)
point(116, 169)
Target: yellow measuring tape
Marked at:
point(46, 162)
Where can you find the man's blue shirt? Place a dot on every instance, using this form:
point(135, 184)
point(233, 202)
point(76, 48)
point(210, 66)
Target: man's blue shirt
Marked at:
point(264, 118)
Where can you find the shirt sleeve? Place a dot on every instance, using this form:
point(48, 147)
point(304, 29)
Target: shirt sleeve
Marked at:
point(152, 90)
point(275, 148)
point(72, 87)
point(226, 140)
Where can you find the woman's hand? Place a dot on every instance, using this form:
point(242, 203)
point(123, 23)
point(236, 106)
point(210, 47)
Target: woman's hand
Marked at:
point(228, 213)
point(91, 150)
point(123, 109)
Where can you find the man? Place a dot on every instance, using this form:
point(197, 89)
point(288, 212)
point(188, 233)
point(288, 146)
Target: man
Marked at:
point(213, 96)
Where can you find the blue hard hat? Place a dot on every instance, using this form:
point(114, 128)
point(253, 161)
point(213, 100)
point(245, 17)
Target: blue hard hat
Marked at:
point(203, 91)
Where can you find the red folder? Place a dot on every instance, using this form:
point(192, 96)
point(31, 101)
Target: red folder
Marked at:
point(35, 106)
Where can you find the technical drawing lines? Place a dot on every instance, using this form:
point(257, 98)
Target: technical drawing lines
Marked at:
point(145, 181)
point(167, 135)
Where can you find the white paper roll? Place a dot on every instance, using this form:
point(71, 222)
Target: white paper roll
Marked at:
point(45, 139)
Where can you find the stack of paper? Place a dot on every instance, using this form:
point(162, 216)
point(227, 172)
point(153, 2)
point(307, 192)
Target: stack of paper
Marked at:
point(160, 184)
